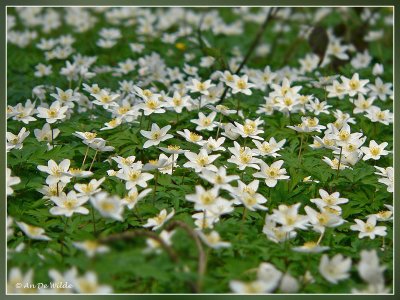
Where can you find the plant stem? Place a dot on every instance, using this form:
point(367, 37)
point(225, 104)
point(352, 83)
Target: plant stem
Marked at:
point(173, 162)
point(340, 159)
point(320, 237)
point(218, 127)
point(84, 159)
point(94, 157)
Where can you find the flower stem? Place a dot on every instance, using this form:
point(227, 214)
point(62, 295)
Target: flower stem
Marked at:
point(173, 162)
point(94, 157)
point(320, 237)
point(84, 159)
point(218, 127)
point(340, 159)
point(204, 218)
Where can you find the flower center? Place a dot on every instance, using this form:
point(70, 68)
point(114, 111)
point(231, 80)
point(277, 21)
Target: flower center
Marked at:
point(354, 84)
point(375, 151)
point(52, 112)
point(156, 135)
point(241, 84)
point(207, 198)
point(194, 137)
point(134, 175)
point(272, 172)
point(202, 160)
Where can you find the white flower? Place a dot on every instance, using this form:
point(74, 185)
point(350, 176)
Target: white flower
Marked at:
point(87, 137)
point(249, 129)
point(133, 176)
point(289, 284)
point(201, 161)
point(289, 218)
point(219, 178)
point(213, 240)
point(201, 87)
point(335, 269)
point(16, 141)
point(329, 200)
point(52, 190)
point(16, 278)
point(308, 124)
point(33, 232)
point(152, 105)
point(133, 197)
point(269, 148)
point(368, 228)
point(46, 134)
point(90, 188)
point(374, 151)
point(56, 172)
point(252, 287)
point(240, 85)
point(88, 285)
point(190, 136)
point(272, 173)
point(369, 269)
point(42, 70)
point(248, 196)
point(270, 275)
point(158, 221)
point(310, 247)
point(268, 278)
point(354, 85)
point(363, 105)
point(70, 203)
point(380, 89)
point(91, 247)
point(322, 219)
point(99, 144)
point(114, 123)
point(105, 99)
point(243, 157)
point(154, 245)
point(388, 177)
point(54, 113)
point(375, 114)
point(109, 206)
point(78, 173)
point(22, 113)
point(205, 122)
point(122, 161)
point(276, 234)
point(66, 97)
point(178, 102)
point(12, 180)
point(206, 199)
point(377, 69)
point(212, 145)
point(156, 135)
